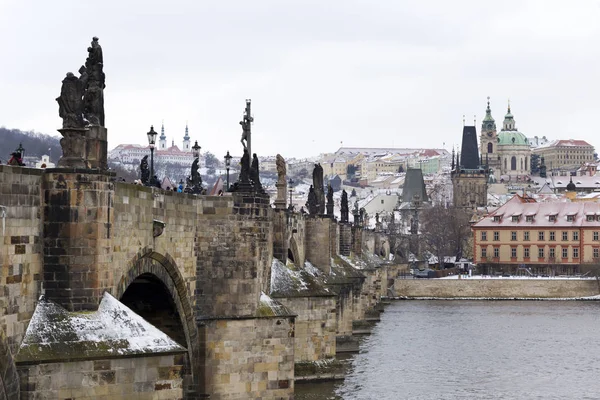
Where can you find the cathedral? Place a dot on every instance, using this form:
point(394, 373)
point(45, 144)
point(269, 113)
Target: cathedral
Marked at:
point(507, 153)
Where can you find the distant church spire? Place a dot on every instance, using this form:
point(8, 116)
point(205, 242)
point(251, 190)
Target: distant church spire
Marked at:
point(186, 139)
point(452, 158)
point(509, 121)
point(162, 143)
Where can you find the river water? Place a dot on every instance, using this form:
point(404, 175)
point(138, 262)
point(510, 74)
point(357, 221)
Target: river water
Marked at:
point(454, 350)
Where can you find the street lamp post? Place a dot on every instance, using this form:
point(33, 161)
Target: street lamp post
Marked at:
point(290, 182)
point(227, 166)
point(151, 141)
point(196, 148)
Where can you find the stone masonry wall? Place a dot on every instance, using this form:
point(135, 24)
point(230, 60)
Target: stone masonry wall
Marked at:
point(298, 238)
point(318, 242)
point(77, 236)
point(315, 327)
point(280, 234)
point(357, 240)
point(20, 264)
point(235, 239)
point(345, 243)
point(150, 377)
point(20, 249)
point(249, 358)
point(496, 288)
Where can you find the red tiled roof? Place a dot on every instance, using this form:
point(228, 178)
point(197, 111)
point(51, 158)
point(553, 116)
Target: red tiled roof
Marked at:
point(569, 142)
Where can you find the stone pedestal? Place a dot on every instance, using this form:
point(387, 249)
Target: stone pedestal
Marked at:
point(77, 220)
point(73, 146)
point(345, 239)
point(96, 147)
point(280, 202)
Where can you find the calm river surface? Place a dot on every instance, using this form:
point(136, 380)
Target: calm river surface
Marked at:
point(475, 350)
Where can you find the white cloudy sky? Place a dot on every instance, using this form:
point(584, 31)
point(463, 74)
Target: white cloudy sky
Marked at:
point(368, 73)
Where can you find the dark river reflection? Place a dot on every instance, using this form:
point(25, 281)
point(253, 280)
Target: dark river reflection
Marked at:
point(475, 350)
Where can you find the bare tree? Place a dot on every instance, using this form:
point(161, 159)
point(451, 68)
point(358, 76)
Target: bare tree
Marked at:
point(445, 231)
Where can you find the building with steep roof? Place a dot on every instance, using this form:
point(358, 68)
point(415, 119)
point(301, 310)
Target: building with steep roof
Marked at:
point(508, 152)
point(542, 238)
point(469, 174)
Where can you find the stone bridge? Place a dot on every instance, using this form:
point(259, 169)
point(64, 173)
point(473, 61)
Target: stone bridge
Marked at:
point(198, 268)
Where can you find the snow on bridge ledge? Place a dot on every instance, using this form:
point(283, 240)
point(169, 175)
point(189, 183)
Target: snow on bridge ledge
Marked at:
point(55, 334)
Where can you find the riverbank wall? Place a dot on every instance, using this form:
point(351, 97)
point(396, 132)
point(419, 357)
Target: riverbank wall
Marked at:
point(496, 288)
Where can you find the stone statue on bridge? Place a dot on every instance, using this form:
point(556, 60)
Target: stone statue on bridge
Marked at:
point(281, 168)
point(318, 187)
point(329, 200)
point(194, 182)
point(344, 207)
point(245, 167)
point(81, 107)
point(94, 91)
point(70, 102)
point(311, 203)
point(144, 170)
point(246, 123)
point(254, 174)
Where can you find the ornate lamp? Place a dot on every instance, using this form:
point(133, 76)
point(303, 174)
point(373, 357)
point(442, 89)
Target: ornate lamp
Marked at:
point(290, 183)
point(196, 149)
point(227, 166)
point(151, 142)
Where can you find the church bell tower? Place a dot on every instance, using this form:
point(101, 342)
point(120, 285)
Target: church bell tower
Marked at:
point(489, 139)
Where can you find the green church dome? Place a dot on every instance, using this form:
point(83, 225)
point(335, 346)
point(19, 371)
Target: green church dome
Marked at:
point(512, 138)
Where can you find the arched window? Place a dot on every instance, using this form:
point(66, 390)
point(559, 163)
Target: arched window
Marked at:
point(521, 164)
point(526, 165)
point(490, 148)
point(513, 163)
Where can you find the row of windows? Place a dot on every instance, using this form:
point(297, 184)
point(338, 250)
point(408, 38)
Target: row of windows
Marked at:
point(541, 236)
point(551, 218)
point(541, 252)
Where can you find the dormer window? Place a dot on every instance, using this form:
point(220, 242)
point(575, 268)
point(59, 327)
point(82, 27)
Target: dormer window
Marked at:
point(529, 218)
point(590, 218)
point(496, 218)
point(570, 218)
point(515, 218)
point(552, 218)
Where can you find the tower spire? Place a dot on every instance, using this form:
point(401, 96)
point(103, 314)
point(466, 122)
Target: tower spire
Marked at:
point(162, 143)
point(452, 158)
point(186, 139)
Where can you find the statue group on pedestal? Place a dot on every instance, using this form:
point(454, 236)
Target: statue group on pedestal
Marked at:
point(81, 105)
point(194, 181)
point(81, 100)
point(318, 188)
point(311, 202)
point(249, 178)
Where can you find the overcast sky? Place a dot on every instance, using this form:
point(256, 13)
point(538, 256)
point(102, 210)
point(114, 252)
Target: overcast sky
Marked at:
point(368, 73)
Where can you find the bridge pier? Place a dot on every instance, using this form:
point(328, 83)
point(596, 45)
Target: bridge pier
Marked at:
point(77, 220)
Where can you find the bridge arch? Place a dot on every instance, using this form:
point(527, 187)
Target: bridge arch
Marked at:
point(153, 280)
point(294, 252)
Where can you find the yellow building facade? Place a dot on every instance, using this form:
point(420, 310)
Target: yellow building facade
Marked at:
point(538, 238)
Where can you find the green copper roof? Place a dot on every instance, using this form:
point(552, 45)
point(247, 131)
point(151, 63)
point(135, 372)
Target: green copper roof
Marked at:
point(488, 113)
point(512, 138)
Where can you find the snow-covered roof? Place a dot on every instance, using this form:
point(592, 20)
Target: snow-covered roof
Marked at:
point(567, 215)
point(114, 330)
point(289, 281)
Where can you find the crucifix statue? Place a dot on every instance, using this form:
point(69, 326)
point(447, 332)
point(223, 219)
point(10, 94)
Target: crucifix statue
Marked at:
point(245, 123)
